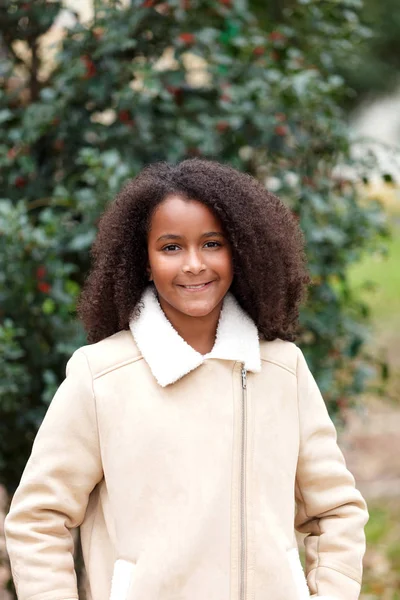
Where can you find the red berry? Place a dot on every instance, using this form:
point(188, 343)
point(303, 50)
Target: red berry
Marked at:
point(44, 287)
point(276, 36)
point(12, 153)
point(222, 126)
point(226, 2)
point(41, 272)
point(90, 67)
point(187, 38)
point(177, 92)
point(281, 130)
point(258, 51)
point(20, 181)
point(124, 116)
point(148, 3)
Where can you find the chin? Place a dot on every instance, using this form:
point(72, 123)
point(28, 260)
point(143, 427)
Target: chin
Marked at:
point(197, 309)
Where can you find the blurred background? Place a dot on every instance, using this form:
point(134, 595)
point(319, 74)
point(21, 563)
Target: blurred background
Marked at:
point(304, 95)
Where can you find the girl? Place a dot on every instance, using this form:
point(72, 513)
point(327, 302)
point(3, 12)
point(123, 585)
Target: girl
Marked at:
point(189, 439)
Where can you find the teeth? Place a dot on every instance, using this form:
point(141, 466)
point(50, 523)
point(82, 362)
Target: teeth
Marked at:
point(195, 287)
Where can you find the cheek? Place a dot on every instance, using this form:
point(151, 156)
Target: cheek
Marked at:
point(224, 264)
point(162, 267)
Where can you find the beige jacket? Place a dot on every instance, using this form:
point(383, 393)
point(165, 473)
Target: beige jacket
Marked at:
point(185, 472)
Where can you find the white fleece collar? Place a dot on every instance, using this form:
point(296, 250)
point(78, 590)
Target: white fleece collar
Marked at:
point(170, 357)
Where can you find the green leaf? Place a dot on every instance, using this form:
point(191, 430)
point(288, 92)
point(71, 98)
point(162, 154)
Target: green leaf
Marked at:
point(5, 115)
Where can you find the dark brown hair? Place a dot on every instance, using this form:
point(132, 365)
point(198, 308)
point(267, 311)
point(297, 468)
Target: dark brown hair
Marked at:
point(270, 269)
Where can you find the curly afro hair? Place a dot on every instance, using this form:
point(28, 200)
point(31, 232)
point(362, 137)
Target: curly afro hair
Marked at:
point(270, 268)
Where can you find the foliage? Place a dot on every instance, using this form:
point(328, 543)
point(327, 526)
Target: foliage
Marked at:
point(37, 332)
point(167, 80)
point(377, 70)
point(368, 57)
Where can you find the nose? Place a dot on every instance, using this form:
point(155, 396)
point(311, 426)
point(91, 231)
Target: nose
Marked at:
point(193, 263)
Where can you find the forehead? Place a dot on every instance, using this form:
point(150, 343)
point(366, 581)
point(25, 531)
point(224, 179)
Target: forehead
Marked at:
point(178, 214)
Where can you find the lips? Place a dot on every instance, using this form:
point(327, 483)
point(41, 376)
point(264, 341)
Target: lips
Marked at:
point(196, 287)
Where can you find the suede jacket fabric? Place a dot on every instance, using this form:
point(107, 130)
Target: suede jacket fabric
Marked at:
point(188, 474)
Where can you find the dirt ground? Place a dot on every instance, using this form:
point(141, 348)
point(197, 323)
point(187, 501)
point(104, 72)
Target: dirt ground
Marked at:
point(371, 441)
point(371, 447)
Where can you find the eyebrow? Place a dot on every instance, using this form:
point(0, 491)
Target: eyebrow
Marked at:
point(173, 236)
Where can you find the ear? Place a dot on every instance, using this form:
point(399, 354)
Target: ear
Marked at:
point(150, 276)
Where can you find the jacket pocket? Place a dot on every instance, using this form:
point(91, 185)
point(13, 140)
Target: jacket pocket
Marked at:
point(122, 579)
point(298, 575)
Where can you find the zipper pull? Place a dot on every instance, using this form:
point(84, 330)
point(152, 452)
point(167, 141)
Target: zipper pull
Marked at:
point(244, 378)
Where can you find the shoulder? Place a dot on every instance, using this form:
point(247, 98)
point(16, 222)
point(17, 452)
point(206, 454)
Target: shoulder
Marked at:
point(281, 353)
point(111, 353)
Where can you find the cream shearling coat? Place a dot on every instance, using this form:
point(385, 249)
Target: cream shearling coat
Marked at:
point(187, 474)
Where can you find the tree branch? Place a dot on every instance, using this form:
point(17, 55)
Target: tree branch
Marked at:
point(33, 80)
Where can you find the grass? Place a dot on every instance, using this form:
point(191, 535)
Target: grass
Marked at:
point(382, 559)
point(383, 273)
point(381, 579)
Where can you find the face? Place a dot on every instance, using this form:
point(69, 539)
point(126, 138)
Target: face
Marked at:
point(190, 259)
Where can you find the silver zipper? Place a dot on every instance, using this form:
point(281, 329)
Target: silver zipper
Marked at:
point(243, 490)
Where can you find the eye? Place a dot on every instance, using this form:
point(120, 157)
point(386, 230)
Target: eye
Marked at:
point(212, 244)
point(170, 248)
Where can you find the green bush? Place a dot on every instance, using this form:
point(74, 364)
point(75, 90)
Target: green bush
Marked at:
point(264, 99)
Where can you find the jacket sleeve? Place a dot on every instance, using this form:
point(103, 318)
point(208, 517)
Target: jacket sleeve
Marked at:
point(53, 493)
point(330, 510)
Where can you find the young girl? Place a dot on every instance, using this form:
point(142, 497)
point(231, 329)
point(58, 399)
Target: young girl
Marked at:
point(189, 439)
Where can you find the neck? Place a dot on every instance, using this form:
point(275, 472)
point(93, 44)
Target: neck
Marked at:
point(198, 332)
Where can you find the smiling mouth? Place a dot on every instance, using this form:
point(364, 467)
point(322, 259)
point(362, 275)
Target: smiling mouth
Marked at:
point(200, 286)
